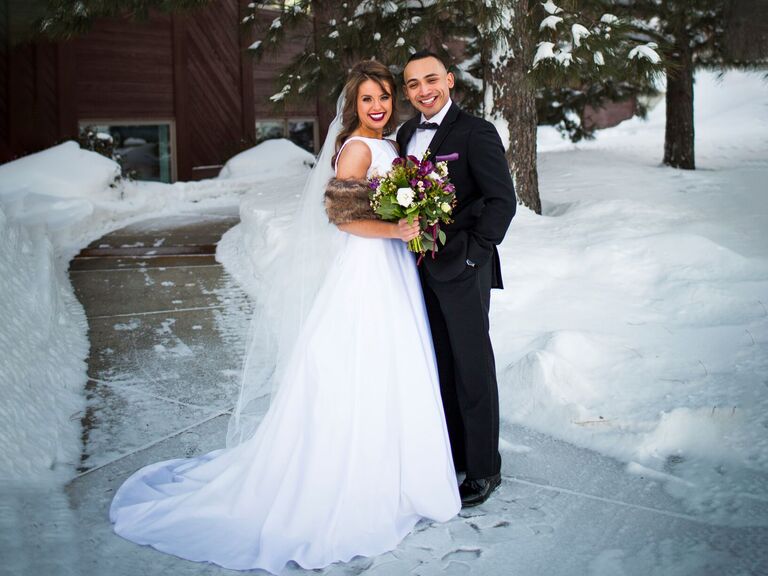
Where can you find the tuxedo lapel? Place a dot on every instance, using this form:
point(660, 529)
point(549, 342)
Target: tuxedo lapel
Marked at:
point(443, 130)
point(405, 134)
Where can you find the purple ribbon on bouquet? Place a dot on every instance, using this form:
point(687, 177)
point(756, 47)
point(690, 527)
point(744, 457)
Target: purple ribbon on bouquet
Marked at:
point(447, 157)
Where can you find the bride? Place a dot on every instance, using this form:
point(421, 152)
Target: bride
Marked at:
point(353, 450)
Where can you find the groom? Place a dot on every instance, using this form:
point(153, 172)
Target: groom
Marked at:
point(457, 282)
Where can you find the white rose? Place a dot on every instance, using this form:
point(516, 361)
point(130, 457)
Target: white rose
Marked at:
point(445, 207)
point(404, 197)
point(435, 176)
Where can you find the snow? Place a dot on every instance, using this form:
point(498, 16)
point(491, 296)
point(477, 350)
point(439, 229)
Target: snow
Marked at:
point(268, 159)
point(59, 194)
point(544, 50)
point(550, 7)
point(281, 95)
point(44, 344)
point(598, 58)
point(550, 22)
point(633, 324)
point(52, 204)
point(635, 316)
point(578, 32)
point(646, 51)
point(634, 320)
point(564, 57)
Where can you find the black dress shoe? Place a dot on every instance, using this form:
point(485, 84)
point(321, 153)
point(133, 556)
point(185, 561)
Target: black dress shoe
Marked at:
point(474, 492)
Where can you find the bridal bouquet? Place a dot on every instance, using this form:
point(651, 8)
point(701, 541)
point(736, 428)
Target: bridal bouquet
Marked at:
point(416, 189)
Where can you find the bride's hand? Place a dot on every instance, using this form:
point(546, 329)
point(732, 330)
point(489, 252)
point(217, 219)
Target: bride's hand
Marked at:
point(405, 231)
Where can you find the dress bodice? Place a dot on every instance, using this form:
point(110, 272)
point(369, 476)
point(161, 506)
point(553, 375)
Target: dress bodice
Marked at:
point(383, 151)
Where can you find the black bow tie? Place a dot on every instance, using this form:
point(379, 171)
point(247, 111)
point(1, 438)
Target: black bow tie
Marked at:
point(428, 126)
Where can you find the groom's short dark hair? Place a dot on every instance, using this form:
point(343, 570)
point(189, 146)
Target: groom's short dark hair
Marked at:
point(421, 54)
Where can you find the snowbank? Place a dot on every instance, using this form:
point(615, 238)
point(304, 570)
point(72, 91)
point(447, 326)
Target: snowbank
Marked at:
point(52, 204)
point(278, 157)
point(44, 346)
point(55, 187)
point(634, 320)
point(635, 316)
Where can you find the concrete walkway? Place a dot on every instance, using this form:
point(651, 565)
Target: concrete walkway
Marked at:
point(167, 335)
point(166, 326)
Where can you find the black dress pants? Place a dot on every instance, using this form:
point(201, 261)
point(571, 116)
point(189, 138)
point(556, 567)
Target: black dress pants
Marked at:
point(458, 316)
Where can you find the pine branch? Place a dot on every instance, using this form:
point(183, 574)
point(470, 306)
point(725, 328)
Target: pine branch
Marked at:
point(68, 18)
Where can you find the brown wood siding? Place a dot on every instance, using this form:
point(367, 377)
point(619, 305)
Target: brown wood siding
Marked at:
point(246, 76)
point(32, 106)
point(46, 87)
point(213, 97)
point(192, 67)
point(5, 145)
point(67, 90)
point(125, 70)
point(267, 71)
point(609, 115)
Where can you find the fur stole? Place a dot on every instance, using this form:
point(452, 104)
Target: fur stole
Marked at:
point(347, 200)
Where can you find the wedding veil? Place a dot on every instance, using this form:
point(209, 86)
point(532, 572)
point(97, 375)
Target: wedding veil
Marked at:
point(291, 282)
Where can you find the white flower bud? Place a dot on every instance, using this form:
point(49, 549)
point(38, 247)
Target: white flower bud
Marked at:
point(404, 197)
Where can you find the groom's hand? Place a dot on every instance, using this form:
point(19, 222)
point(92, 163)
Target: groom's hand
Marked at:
point(406, 231)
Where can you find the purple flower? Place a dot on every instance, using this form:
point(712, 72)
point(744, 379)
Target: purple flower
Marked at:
point(398, 161)
point(413, 159)
point(373, 184)
point(426, 168)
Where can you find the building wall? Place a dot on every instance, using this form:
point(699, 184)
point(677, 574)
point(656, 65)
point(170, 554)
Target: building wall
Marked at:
point(191, 69)
point(125, 70)
point(610, 114)
point(5, 151)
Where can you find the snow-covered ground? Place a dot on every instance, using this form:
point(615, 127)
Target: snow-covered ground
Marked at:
point(52, 204)
point(635, 316)
point(634, 320)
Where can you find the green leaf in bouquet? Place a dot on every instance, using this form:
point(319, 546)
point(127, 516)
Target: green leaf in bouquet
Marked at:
point(389, 210)
point(428, 236)
point(387, 213)
point(441, 236)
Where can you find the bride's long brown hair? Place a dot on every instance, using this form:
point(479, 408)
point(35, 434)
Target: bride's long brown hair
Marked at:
point(362, 71)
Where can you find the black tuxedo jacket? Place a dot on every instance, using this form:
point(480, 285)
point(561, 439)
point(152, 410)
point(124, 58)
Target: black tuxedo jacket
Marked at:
point(484, 191)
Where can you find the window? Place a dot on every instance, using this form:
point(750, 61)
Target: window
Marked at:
point(301, 131)
point(144, 148)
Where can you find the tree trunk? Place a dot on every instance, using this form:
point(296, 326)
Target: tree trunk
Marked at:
point(523, 120)
point(679, 135)
point(513, 100)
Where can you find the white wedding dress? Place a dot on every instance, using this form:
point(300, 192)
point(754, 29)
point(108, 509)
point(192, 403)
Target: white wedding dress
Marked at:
point(353, 451)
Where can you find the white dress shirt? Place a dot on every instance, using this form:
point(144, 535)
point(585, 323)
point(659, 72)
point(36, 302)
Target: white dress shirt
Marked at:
point(421, 138)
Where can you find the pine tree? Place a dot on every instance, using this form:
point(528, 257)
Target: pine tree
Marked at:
point(498, 65)
point(342, 34)
point(529, 49)
point(491, 46)
point(695, 34)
